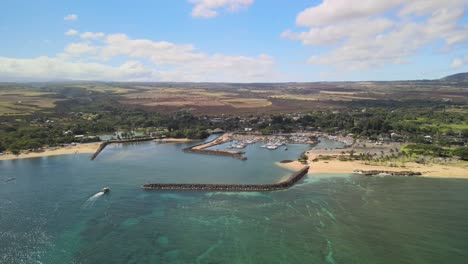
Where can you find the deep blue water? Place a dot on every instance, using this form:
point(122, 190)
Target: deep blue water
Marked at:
point(53, 212)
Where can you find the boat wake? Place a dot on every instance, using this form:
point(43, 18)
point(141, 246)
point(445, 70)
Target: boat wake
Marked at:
point(90, 202)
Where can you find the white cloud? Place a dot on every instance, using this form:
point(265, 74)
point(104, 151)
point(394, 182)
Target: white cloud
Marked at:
point(71, 17)
point(92, 35)
point(333, 11)
point(71, 32)
point(46, 68)
point(160, 52)
point(371, 33)
point(144, 60)
point(209, 8)
point(333, 34)
point(76, 49)
point(459, 62)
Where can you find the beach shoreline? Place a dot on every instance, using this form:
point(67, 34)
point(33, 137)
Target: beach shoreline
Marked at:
point(432, 170)
point(83, 148)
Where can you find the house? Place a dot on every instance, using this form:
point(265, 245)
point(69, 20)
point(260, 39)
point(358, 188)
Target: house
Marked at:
point(247, 129)
point(217, 120)
point(396, 137)
point(156, 133)
point(216, 131)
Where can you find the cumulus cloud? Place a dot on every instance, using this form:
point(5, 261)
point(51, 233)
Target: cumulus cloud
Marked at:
point(92, 35)
point(145, 60)
point(77, 49)
point(71, 32)
point(71, 17)
point(371, 33)
point(332, 11)
point(158, 52)
point(459, 62)
point(209, 8)
point(46, 68)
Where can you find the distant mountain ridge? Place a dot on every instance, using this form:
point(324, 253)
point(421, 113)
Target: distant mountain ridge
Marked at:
point(459, 77)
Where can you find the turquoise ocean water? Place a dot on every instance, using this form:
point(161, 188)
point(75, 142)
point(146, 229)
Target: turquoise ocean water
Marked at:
point(53, 212)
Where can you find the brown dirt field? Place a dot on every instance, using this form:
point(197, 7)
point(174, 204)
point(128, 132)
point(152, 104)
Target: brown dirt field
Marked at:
point(277, 106)
point(247, 102)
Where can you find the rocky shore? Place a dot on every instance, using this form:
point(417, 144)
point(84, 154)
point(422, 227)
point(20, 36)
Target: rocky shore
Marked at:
point(385, 172)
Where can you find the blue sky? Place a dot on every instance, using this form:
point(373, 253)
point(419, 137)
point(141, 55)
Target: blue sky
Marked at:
point(232, 40)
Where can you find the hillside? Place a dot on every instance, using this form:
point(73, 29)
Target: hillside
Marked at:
point(459, 77)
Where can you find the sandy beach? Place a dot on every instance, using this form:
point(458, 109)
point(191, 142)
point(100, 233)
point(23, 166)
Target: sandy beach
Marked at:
point(427, 170)
point(456, 169)
point(53, 151)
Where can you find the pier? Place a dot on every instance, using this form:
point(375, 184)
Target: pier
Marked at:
point(106, 143)
point(293, 179)
point(199, 148)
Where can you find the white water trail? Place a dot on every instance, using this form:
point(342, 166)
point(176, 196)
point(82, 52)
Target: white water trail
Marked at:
point(90, 202)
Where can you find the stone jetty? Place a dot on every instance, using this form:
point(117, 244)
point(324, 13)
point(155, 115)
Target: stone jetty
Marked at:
point(294, 178)
point(101, 148)
point(202, 148)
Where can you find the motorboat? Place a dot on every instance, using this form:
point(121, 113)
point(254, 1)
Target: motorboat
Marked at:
point(239, 146)
point(105, 190)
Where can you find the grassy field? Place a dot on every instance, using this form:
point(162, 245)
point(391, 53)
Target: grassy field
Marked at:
point(23, 101)
point(106, 88)
point(441, 126)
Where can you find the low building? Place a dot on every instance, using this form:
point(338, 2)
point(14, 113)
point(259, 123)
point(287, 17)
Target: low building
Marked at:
point(216, 131)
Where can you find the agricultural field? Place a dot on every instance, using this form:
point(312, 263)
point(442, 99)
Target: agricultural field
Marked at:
point(280, 97)
point(196, 98)
point(103, 87)
point(229, 98)
point(23, 101)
